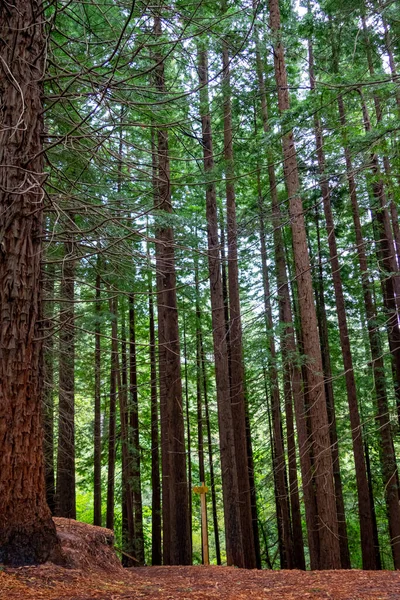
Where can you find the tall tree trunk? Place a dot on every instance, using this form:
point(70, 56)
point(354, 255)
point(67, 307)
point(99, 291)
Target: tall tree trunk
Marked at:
point(48, 274)
point(388, 457)
point(177, 517)
point(128, 525)
point(288, 355)
point(134, 441)
point(65, 488)
point(325, 493)
point(235, 326)
point(330, 402)
point(97, 519)
point(156, 547)
point(204, 389)
point(112, 414)
point(27, 533)
point(166, 546)
point(188, 435)
point(233, 532)
point(364, 506)
point(385, 254)
point(279, 463)
point(281, 544)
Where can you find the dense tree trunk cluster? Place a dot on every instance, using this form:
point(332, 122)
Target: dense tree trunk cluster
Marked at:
point(200, 281)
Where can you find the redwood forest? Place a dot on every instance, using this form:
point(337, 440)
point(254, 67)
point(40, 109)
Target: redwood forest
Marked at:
point(199, 297)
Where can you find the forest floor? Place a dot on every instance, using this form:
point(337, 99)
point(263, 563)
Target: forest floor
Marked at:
point(95, 572)
point(196, 583)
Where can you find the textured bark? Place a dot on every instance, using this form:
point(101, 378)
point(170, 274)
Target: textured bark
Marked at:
point(97, 517)
point(210, 446)
point(364, 506)
point(325, 494)
point(235, 326)
point(161, 369)
point(134, 441)
point(279, 463)
point(48, 381)
point(112, 415)
point(330, 403)
point(388, 260)
point(156, 547)
point(288, 355)
point(297, 377)
point(177, 517)
point(388, 457)
point(188, 432)
point(65, 487)
point(234, 543)
point(128, 525)
point(27, 533)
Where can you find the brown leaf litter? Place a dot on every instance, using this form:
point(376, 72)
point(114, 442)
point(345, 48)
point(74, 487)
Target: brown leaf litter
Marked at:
point(95, 572)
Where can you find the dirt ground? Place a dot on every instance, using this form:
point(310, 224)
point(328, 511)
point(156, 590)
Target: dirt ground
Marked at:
point(94, 571)
point(50, 582)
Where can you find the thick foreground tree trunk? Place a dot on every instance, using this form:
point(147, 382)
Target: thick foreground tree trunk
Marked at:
point(27, 533)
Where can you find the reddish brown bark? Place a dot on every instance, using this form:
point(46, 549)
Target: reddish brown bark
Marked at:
point(27, 533)
point(235, 326)
point(48, 382)
point(65, 487)
point(156, 547)
point(389, 466)
point(328, 528)
point(330, 403)
point(97, 517)
point(112, 415)
point(288, 355)
point(204, 391)
point(134, 442)
point(364, 507)
point(279, 462)
point(176, 519)
point(234, 542)
point(128, 525)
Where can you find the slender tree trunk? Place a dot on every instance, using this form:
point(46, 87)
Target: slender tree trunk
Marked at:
point(364, 506)
point(389, 466)
point(387, 263)
point(235, 326)
point(156, 547)
point(128, 524)
point(27, 533)
point(289, 356)
point(48, 274)
point(281, 544)
point(203, 375)
point(325, 493)
point(166, 546)
point(65, 489)
point(233, 532)
point(188, 436)
point(282, 497)
point(97, 519)
point(112, 414)
point(330, 402)
point(134, 441)
point(176, 515)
